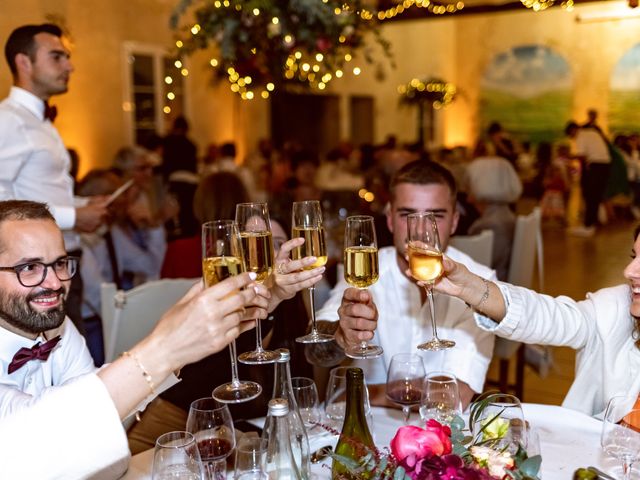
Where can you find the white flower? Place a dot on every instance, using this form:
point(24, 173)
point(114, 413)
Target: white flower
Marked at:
point(497, 463)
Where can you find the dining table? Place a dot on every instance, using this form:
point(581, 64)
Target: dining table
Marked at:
point(568, 440)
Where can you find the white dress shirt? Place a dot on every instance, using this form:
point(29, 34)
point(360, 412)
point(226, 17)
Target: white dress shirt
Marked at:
point(72, 432)
point(70, 358)
point(404, 323)
point(600, 328)
point(591, 145)
point(34, 163)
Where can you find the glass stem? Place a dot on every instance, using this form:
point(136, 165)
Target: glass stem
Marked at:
point(406, 411)
point(626, 469)
point(235, 381)
point(432, 310)
point(258, 336)
point(312, 308)
point(215, 470)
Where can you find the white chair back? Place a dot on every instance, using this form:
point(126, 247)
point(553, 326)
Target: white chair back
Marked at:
point(479, 247)
point(526, 248)
point(128, 317)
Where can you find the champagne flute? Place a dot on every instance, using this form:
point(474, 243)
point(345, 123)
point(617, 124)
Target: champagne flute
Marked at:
point(361, 269)
point(222, 258)
point(306, 222)
point(620, 438)
point(176, 456)
point(211, 424)
point(441, 397)
point(405, 378)
point(425, 262)
point(257, 245)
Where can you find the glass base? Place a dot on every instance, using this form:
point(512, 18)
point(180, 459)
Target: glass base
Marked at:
point(258, 357)
point(367, 351)
point(237, 393)
point(436, 344)
point(315, 337)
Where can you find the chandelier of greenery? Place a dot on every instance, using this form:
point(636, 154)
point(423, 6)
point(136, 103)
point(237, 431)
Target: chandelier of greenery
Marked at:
point(261, 45)
point(433, 91)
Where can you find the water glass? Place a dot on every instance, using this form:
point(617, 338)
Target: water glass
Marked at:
point(501, 423)
point(176, 457)
point(620, 438)
point(251, 457)
point(336, 398)
point(441, 397)
point(306, 395)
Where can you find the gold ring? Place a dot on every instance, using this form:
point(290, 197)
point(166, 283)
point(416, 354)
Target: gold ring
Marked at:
point(279, 268)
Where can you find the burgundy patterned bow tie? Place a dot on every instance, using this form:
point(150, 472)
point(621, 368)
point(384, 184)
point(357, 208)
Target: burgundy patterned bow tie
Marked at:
point(37, 352)
point(50, 112)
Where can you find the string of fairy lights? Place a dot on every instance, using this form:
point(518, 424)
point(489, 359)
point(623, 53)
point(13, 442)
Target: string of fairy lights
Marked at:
point(308, 67)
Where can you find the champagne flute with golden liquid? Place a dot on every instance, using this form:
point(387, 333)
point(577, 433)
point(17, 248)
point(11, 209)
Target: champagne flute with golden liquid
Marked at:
point(257, 245)
point(306, 222)
point(222, 258)
point(425, 262)
point(361, 269)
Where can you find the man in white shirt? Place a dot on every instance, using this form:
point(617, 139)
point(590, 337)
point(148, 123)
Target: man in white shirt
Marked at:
point(393, 311)
point(34, 163)
point(39, 346)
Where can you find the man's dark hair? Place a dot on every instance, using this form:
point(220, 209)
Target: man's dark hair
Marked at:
point(494, 128)
point(228, 150)
point(420, 172)
point(24, 210)
point(22, 40)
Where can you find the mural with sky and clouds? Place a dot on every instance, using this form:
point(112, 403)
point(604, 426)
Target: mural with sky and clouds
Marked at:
point(528, 90)
point(624, 100)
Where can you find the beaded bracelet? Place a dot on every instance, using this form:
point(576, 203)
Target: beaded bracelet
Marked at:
point(146, 375)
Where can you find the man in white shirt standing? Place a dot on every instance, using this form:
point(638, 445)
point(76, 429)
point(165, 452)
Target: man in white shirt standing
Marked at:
point(393, 312)
point(34, 163)
point(39, 346)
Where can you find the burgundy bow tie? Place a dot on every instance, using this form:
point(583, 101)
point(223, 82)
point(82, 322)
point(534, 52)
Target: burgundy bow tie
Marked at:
point(50, 112)
point(37, 352)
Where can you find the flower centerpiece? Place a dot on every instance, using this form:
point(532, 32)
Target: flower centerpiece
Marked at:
point(261, 45)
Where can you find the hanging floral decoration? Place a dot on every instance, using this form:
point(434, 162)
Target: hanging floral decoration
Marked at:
point(433, 91)
point(261, 45)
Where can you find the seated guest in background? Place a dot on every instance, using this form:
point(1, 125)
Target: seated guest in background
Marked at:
point(75, 431)
point(604, 328)
point(393, 311)
point(494, 184)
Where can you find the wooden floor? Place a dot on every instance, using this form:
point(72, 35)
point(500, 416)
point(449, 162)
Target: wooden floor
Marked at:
point(574, 266)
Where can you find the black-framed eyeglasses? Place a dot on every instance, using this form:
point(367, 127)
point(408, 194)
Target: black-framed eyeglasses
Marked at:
point(32, 274)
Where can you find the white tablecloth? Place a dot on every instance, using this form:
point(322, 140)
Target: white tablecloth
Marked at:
point(568, 440)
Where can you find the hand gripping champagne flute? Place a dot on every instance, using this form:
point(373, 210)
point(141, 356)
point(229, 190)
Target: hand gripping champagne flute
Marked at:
point(425, 262)
point(222, 258)
point(361, 269)
point(306, 222)
point(257, 246)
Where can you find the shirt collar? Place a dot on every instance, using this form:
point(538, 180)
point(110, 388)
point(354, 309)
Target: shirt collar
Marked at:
point(11, 342)
point(27, 100)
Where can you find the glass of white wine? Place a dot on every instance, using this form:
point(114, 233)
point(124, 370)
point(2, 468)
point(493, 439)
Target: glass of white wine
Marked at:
point(361, 269)
point(257, 245)
point(222, 258)
point(306, 222)
point(425, 262)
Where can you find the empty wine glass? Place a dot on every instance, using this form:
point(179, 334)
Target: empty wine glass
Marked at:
point(257, 246)
point(620, 438)
point(251, 459)
point(501, 423)
point(306, 395)
point(441, 397)
point(306, 222)
point(405, 379)
point(222, 258)
point(361, 269)
point(211, 424)
point(425, 262)
point(176, 457)
point(336, 397)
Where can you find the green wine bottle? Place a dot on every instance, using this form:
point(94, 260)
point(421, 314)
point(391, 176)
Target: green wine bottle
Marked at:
point(355, 441)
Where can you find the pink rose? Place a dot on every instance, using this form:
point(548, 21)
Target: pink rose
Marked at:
point(412, 444)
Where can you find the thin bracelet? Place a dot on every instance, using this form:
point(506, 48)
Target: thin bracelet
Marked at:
point(148, 378)
point(483, 300)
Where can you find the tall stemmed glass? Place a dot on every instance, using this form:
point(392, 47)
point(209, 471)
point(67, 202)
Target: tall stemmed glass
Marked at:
point(405, 378)
point(222, 258)
point(620, 437)
point(257, 245)
point(361, 269)
point(306, 222)
point(425, 262)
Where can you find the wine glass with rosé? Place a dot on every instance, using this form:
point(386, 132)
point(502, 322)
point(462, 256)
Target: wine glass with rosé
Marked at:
point(425, 263)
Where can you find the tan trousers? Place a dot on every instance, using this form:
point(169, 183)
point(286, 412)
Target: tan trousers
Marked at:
point(158, 418)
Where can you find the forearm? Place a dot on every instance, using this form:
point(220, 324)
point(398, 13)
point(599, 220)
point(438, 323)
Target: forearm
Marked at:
point(485, 297)
point(326, 354)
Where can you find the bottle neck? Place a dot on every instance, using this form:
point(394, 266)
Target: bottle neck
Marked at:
point(282, 387)
point(354, 410)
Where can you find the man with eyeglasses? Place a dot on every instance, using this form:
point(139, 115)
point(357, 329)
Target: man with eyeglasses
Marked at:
point(39, 346)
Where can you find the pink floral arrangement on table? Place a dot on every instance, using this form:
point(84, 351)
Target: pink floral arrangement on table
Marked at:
point(442, 452)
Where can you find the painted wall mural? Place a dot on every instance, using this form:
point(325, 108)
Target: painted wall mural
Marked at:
point(624, 99)
point(528, 90)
